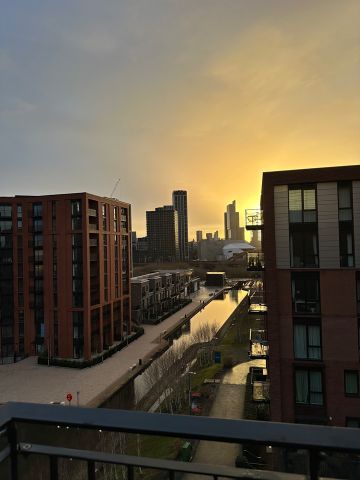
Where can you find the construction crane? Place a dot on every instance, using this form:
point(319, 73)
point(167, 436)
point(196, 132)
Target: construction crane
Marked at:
point(115, 187)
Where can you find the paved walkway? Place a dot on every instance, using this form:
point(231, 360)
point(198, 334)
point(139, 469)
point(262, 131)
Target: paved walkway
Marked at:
point(26, 381)
point(229, 404)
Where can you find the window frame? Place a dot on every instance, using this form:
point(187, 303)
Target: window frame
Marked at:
point(349, 394)
point(307, 301)
point(303, 188)
point(307, 322)
point(309, 371)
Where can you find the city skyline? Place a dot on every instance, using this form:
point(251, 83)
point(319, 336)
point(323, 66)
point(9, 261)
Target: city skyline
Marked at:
point(205, 97)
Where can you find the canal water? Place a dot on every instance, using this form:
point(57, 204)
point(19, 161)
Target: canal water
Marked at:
point(201, 327)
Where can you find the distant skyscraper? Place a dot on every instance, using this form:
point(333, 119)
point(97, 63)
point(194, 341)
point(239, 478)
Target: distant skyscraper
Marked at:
point(199, 235)
point(216, 235)
point(232, 223)
point(180, 204)
point(162, 234)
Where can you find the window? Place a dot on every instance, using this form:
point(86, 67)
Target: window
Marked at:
point(78, 334)
point(358, 291)
point(346, 234)
point(302, 204)
point(308, 387)
point(38, 225)
point(307, 341)
point(304, 246)
point(104, 219)
point(345, 201)
point(5, 225)
point(116, 217)
point(305, 292)
point(37, 210)
point(346, 244)
point(19, 217)
point(5, 211)
point(76, 218)
point(351, 380)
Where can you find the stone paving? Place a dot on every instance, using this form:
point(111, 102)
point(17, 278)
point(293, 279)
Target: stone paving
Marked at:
point(26, 381)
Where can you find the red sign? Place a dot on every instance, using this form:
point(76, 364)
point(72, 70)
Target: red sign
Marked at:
point(69, 397)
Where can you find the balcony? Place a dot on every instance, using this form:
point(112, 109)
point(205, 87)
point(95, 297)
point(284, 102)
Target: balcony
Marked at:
point(257, 308)
point(42, 441)
point(259, 346)
point(255, 262)
point(254, 219)
point(260, 385)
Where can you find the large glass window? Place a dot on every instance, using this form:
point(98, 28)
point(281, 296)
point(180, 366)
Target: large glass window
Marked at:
point(304, 246)
point(309, 387)
point(305, 292)
point(302, 204)
point(307, 340)
point(351, 381)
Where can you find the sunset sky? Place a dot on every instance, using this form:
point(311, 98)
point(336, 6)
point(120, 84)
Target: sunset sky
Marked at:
point(202, 95)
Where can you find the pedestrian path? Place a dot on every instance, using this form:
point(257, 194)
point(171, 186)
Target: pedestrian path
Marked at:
point(229, 404)
point(26, 381)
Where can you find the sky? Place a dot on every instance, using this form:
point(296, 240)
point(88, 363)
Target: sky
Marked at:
point(200, 95)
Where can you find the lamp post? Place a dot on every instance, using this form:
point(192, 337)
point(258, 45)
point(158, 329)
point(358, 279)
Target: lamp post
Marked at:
point(189, 376)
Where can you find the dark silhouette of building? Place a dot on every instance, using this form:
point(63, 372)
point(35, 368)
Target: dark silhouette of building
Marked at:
point(162, 234)
point(179, 198)
point(64, 275)
point(311, 243)
point(232, 228)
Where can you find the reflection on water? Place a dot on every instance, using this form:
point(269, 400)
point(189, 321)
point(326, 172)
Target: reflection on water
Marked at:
point(214, 315)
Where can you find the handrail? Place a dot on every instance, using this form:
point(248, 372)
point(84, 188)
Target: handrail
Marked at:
point(312, 437)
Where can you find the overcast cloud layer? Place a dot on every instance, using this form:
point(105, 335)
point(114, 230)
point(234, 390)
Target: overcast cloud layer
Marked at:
point(202, 95)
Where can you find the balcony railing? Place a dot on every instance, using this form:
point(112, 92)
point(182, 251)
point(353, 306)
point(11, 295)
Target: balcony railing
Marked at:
point(18, 422)
point(254, 219)
point(255, 262)
point(257, 308)
point(259, 346)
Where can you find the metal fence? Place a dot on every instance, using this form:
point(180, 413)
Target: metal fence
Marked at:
point(314, 439)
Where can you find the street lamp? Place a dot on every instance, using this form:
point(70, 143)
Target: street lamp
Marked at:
point(189, 374)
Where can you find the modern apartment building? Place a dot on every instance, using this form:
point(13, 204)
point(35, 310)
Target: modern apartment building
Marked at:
point(64, 275)
point(232, 228)
point(162, 234)
point(311, 243)
point(179, 198)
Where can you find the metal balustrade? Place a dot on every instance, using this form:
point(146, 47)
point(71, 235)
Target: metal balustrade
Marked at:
point(254, 219)
point(314, 439)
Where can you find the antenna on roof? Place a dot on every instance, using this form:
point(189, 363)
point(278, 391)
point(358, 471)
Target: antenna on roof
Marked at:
point(115, 187)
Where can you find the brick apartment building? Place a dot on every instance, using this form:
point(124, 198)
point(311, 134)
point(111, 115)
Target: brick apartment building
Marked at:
point(64, 275)
point(311, 244)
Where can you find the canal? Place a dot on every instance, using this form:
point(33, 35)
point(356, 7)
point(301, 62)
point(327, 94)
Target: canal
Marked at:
point(200, 328)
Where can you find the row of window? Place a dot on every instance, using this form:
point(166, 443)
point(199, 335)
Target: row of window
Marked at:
point(309, 386)
point(303, 228)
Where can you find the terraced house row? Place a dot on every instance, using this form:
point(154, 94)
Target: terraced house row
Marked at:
point(158, 294)
point(65, 266)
